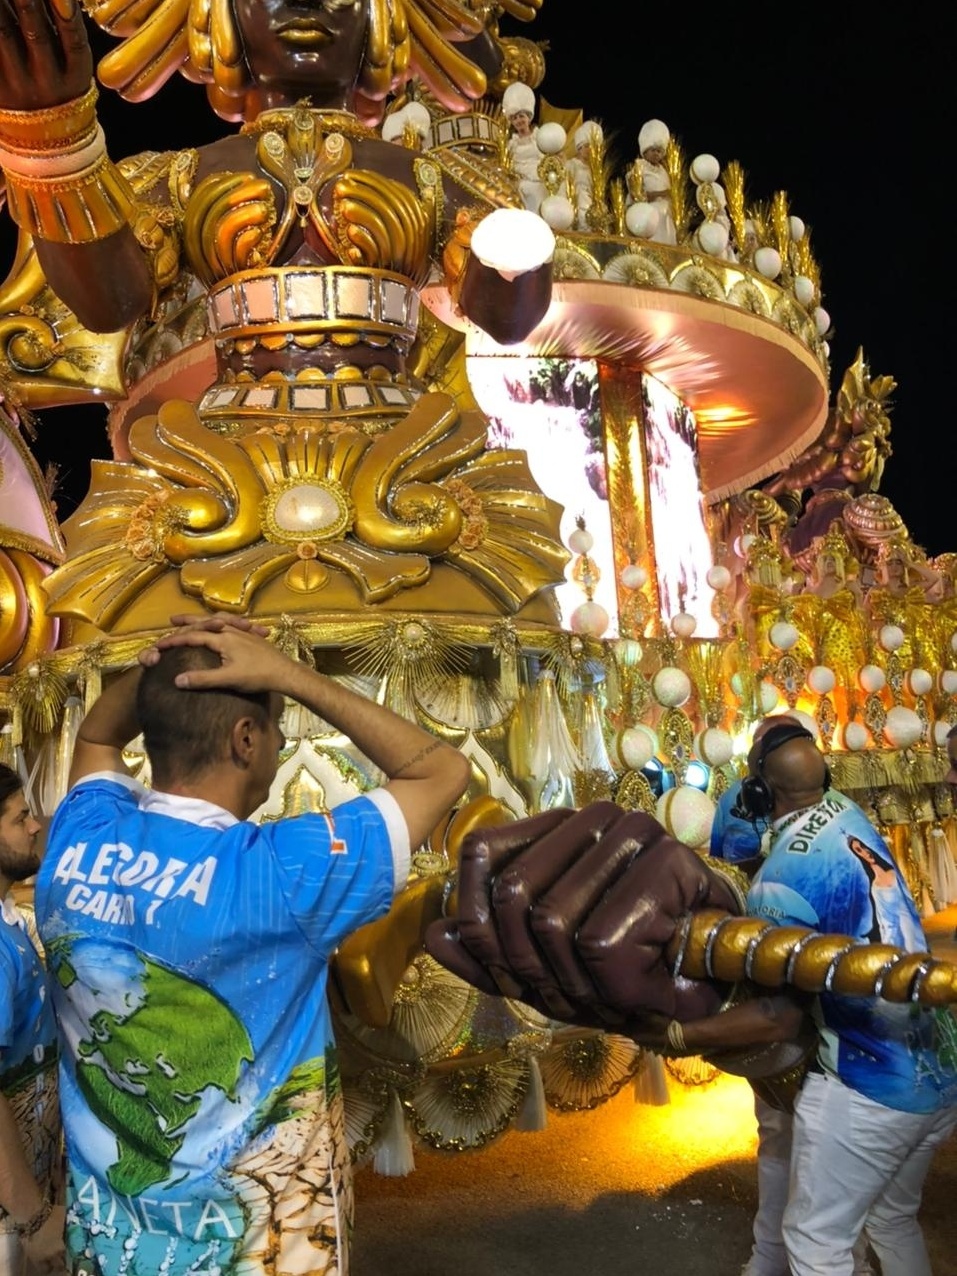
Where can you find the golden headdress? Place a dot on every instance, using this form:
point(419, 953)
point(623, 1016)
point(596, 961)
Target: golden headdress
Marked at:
point(200, 39)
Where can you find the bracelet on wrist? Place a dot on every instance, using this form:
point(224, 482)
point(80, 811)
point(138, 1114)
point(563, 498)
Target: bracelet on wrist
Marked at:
point(33, 1225)
point(676, 1037)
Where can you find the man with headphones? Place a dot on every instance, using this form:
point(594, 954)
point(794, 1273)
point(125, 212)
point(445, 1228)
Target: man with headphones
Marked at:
point(881, 1095)
point(741, 823)
point(736, 833)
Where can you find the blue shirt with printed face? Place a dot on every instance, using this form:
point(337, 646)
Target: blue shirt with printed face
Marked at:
point(830, 870)
point(200, 1092)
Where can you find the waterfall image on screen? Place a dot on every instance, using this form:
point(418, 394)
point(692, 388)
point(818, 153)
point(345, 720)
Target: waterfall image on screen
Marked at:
point(549, 408)
point(682, 546)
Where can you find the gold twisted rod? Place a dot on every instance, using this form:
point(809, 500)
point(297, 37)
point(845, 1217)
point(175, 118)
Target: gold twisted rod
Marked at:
point(715, 945)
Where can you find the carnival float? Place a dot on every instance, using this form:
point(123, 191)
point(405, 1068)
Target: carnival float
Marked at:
point(590, 554)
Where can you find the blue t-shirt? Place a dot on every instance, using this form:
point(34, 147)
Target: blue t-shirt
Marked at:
point(200, 1093)
point(829, 869)
point(733, 838)
point(28, 1047)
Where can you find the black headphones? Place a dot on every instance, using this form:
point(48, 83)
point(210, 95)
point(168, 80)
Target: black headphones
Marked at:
point(756, 801)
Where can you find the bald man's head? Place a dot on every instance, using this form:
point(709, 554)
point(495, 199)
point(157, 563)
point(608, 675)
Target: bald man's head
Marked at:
point(762, 729)
point(796, 774)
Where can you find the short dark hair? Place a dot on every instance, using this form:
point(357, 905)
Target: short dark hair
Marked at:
point(185, 732)
point(952, 732)
point(10, 783)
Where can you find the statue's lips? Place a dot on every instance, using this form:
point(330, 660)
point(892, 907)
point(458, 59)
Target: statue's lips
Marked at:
point(306, 35)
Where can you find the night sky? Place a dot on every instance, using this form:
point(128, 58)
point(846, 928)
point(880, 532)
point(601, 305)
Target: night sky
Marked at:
point(838, 104)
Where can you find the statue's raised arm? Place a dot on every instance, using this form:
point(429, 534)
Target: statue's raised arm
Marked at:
point(95, 230)
point(62, 187)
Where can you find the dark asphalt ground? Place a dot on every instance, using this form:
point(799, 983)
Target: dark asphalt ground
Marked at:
point(662, 1191)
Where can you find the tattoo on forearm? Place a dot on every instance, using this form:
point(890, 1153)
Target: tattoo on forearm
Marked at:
point(422, 753)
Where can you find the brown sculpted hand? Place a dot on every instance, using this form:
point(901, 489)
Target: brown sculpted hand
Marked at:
point(45, 56)
point(571, 912)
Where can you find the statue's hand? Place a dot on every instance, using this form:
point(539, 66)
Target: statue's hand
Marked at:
point(45, 56)
point(572, 912)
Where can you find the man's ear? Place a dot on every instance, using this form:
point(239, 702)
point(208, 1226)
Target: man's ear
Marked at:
point(242, 740)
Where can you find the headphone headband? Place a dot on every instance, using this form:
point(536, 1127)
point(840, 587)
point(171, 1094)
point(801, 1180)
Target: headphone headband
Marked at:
point(779, 736)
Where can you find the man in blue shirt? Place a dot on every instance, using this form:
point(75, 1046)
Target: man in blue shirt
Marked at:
point(882, 1095)
point(189, 948)
point(31, 1227)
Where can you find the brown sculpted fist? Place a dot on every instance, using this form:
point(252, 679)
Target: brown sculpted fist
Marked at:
point(571, 912)
point(45, 56)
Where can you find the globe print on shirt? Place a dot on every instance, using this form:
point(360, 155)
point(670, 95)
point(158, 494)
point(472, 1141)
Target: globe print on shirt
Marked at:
point(160, 1062)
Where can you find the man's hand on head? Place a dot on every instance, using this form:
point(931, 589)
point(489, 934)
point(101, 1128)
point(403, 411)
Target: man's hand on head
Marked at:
point(248, 661)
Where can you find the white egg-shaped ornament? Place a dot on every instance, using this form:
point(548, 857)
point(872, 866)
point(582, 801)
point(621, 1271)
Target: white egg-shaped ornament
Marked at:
point(856, 737)
point(636, 746)
point(783, 635)
point(948, 682)
point(714, 746)
point(902, 727)
point(804, 290)
point(683, 624)
point(705, 168)
point(718, 577)
point(558, 211)
point(589, 618)
point(872, 679)
point(821, 680)
point(551, 138)
point(713, 238)
point(580, 541)
point(920, 681)
point(797, 228)
point(641, 220)
point(671, 687)
point(687, 814)
point(768, 696)
point(822, 321)
point(633, 576)
point(742, 545)
point(942, 730)
point(806, 721)
point(737, 685)
point(891, 637)
point(628, 652)
point(953, 641)
point(768, 262)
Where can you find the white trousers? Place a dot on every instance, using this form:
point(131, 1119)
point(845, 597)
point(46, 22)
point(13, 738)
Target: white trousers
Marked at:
point(768, 1254)
point(857, 1163)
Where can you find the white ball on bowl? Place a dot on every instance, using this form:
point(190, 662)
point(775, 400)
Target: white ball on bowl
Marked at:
point(641, 220)
point(551, 138)
point(872, 678)
point(921, 681)
point(671, 687)
point(636, 746)
point(821, 679)
point(891, 637)
point(705, 168)
point(714, 746)
point(902, 727)
point(768, 262)
point(687, 814)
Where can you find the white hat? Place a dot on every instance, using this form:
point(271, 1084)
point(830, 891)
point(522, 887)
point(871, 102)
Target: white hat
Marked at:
point(518, 97)
point(653, 133)
point(588, 133)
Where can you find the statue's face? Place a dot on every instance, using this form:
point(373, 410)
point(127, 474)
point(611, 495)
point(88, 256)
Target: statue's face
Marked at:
point(303, 46)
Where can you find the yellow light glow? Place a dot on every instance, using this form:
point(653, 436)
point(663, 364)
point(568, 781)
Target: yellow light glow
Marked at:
point(702, 1126)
